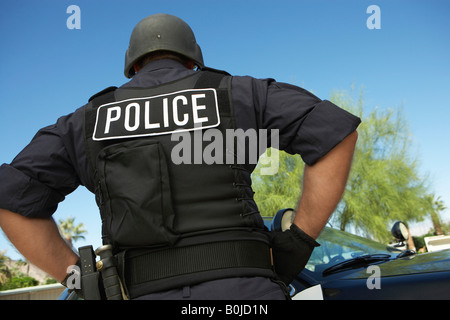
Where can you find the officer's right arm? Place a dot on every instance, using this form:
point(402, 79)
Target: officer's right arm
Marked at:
point(323, 186)
point(39, 241)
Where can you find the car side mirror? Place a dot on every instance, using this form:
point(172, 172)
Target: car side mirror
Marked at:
point(400, 231)
point(282, 220)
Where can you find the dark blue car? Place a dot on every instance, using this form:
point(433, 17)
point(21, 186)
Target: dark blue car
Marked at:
point(349, 267)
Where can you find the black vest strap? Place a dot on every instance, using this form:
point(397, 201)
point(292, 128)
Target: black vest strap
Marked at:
point(102, 97)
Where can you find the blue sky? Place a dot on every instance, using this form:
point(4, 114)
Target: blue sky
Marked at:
point(48, 70)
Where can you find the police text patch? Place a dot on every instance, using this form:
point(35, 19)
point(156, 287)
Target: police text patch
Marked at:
point(162, 114)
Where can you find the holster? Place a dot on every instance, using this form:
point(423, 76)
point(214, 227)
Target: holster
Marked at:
point(91, 284)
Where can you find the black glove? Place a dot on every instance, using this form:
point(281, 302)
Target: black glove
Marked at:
point(291, 251)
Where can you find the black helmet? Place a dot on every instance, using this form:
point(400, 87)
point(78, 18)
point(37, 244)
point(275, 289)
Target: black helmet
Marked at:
point(161, 32)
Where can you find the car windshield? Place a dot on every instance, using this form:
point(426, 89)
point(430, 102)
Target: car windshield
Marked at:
point(337, 246)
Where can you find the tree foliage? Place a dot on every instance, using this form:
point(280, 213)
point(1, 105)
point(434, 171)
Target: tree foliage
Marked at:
point(436, 207)
point(383, 186)
point(281, 190)
point(71, 232)
point(5, 272)
point(11, 277)
point(19, 282)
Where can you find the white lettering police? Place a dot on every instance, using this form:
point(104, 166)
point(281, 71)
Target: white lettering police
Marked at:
point(183, 110)
point(178, 113)
point(135, 108)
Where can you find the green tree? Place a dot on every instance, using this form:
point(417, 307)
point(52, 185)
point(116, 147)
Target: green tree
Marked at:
point(11, 277)
point(281, 190)
point(383, 186)
point(19, 282)
point(71, 232)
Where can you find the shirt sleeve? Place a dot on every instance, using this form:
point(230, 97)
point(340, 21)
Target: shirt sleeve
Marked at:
point(307, 125)
point(325, 126)
point(41, 175)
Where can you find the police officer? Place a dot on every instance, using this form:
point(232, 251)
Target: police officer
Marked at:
point(179, 229)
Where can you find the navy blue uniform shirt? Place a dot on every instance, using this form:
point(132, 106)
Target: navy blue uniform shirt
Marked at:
point(54, 163)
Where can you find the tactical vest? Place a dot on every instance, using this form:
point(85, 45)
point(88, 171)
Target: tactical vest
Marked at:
point(200, 219)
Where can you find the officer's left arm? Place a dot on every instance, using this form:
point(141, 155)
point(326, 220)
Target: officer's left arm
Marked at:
point(32, 186)
point(39, 241)
point(323, 185)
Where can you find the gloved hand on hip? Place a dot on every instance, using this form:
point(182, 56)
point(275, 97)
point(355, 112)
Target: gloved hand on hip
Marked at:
point(291, 251)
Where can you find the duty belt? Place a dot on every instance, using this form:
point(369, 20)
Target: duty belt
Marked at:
point(146, 271)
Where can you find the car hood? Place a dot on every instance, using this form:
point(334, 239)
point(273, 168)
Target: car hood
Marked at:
point(415, 264)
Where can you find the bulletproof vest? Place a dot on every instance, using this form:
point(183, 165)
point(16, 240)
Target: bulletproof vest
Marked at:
point(153, 186)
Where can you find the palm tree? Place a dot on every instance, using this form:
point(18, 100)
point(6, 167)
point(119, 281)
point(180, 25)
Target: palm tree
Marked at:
point(436, 205)
point(71, 232)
